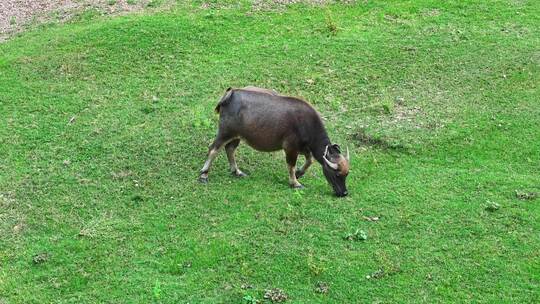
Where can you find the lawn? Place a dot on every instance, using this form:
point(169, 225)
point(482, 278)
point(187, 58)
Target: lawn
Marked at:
point(105, 123)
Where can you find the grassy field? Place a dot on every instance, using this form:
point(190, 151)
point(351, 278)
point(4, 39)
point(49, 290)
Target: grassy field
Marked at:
point(105, 123)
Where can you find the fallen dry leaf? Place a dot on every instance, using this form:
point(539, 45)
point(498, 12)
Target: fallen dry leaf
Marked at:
point(523, 195)
point(18, 228)
point(322, 287)
point(376, 274)
point(246, 286)
point(275, 295)
point(371, 218)
point(40, 258)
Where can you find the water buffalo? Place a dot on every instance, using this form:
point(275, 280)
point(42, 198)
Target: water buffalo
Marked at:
point(268, 121)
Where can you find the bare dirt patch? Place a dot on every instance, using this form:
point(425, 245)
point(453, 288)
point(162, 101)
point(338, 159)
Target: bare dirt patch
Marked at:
point(270, 5)
point(16, 15)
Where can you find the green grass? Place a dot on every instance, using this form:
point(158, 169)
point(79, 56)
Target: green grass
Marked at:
point(105, 124)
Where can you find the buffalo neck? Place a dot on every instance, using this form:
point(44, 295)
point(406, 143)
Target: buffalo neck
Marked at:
point(318, 146)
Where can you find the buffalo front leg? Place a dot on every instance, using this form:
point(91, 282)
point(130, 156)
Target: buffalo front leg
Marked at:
point(309, 160)
point(230, 148)
point(291, 158)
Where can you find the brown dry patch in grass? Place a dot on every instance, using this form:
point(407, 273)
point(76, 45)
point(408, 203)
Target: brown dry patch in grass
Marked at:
point(16, 15)
point(271, 5)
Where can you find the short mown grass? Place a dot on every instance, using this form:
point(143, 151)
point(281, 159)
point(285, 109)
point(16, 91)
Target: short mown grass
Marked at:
point(105, 124)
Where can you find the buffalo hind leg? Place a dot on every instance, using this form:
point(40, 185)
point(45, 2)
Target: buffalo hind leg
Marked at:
point(291, 157)
point(309, 160)
point(213, 151)
point(230, 148)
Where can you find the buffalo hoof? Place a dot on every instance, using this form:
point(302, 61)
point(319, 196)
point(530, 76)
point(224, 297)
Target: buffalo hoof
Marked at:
point(299, 173)
point(203, 179)
point(239, 174)
point(342, 194)
point(299, 186)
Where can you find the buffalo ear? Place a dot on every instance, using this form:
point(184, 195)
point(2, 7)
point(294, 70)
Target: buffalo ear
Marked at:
point(336, 149)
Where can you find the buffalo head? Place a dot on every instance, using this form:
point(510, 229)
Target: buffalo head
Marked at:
point(336, 169)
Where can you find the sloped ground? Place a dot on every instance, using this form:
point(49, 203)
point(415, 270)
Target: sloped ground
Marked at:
point(105, 123)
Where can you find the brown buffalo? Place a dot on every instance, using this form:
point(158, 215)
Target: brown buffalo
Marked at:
point(268, 121)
